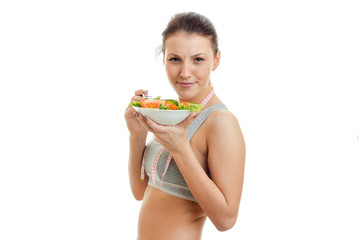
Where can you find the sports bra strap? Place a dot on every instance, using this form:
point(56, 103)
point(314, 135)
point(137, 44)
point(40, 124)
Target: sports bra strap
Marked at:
point(196, 124)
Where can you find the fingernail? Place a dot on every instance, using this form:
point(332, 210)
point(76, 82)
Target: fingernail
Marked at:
point(145, 119)
point(136, 115)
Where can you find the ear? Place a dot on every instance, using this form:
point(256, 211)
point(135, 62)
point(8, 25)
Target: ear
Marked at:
point(217, 60)
point(164, 56)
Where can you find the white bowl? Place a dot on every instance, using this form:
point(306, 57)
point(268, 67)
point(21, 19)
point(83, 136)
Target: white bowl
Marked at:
point(164, 117)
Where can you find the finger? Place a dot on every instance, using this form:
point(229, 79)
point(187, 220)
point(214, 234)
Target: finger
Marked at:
point(143, 121)
point(192, 116)
point(129, 112)
point(136, 99)
point(155, 127)
point(140, 92)
point(144, 126)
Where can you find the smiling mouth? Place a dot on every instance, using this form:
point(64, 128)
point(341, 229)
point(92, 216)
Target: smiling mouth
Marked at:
point(186, 84)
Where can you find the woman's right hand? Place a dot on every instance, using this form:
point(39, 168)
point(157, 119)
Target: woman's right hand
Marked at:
point(135, 127)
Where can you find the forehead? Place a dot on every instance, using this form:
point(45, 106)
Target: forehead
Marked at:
point(183, 43)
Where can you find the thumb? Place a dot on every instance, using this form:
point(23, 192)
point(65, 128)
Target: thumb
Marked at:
point(192, 116)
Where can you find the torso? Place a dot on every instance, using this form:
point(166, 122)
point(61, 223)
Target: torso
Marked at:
point(163, 216)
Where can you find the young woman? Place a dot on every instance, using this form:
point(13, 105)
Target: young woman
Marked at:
point(205, 152)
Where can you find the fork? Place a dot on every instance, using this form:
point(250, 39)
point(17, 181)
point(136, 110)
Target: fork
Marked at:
point(148, 97)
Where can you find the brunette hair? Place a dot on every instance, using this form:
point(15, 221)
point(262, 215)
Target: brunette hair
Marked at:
point(191, 22)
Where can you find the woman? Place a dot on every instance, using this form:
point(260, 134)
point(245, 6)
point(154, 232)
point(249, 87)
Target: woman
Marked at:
point(205, 152)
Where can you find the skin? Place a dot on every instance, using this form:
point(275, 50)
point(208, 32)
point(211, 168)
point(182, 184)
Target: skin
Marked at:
point(217, 147)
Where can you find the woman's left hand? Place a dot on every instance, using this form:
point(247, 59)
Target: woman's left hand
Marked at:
point(171, 137)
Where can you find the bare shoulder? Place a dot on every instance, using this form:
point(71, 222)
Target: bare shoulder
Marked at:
point(220, 114)
point(222, 120)
point(223, 129)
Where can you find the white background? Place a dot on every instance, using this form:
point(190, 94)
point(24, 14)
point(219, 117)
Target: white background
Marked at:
point(68, 69)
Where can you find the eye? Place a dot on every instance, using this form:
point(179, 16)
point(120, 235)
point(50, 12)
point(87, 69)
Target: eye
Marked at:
point(199, 59)
point(174, 59)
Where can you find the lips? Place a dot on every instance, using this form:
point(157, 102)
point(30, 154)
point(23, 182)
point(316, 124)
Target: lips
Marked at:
point(186, 84)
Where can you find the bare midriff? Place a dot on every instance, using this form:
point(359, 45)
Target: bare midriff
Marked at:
point(163, 217)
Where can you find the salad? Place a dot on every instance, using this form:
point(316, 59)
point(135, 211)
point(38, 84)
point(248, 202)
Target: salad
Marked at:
point(167, 104)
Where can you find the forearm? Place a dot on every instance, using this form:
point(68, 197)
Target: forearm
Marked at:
point(204, 190)
point(137, 146)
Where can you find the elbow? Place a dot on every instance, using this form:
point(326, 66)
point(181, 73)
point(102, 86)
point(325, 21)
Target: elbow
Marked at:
point(138, 196)
point(138, 192)
point(225, 224)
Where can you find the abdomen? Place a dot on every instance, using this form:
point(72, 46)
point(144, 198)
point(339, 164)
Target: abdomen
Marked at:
point(163, 216)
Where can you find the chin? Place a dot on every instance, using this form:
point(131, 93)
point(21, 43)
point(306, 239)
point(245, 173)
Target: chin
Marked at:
point(186, 95)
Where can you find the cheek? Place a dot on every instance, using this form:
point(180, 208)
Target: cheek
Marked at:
point(171, 71)
point(204, 71)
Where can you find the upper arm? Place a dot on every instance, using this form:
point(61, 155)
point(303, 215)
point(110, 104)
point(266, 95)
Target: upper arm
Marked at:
point(226, 156)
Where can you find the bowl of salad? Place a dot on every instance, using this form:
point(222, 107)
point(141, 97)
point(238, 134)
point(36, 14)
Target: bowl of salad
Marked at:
point(165, 111)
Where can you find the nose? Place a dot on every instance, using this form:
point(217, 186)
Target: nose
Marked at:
point(185, 70)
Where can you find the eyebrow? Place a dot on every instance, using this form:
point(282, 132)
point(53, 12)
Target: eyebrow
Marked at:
point(198, 54)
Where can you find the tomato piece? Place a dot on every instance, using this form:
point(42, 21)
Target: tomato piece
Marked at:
point(152, 103)
point(172, 106)
point(143, 103)
point(184, 103)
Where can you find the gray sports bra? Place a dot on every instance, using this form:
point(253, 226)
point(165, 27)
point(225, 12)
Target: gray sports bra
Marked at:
point(173, 181)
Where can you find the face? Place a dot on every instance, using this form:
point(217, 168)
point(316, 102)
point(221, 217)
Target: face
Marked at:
point(189, 60)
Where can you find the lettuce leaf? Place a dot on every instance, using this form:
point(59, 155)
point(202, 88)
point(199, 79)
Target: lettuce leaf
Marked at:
point(135, 104)
point(173, 101)
point(192, 107)
point(163, 107)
